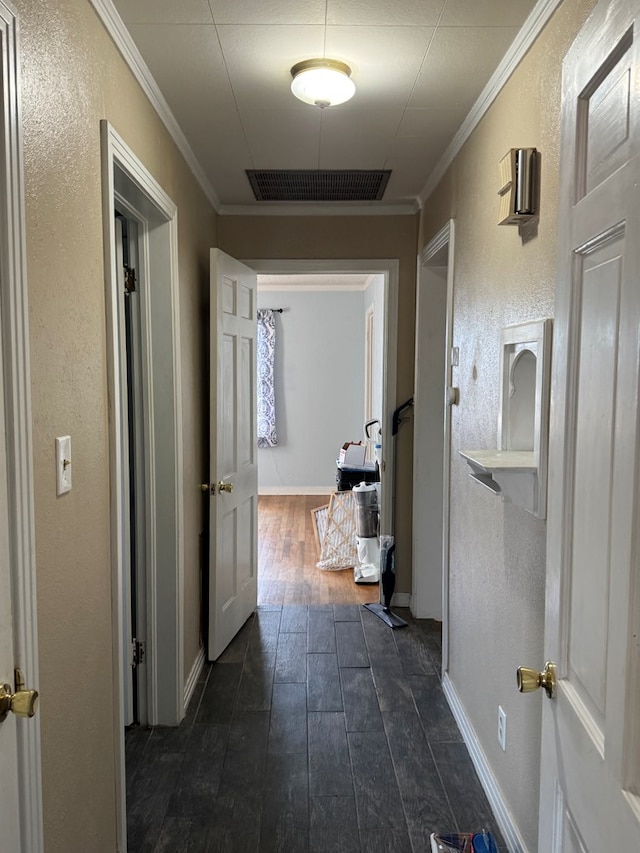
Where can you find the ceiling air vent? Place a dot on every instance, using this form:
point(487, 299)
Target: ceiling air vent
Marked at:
point(318, 184)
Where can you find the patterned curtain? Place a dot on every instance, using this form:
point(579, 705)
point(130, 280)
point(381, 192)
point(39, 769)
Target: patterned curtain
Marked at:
point(266, 393)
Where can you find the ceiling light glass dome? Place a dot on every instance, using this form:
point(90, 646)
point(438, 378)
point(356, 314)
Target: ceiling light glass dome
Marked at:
point(322, 82)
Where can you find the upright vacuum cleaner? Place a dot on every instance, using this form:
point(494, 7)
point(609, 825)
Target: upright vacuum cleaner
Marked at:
point(387, 545)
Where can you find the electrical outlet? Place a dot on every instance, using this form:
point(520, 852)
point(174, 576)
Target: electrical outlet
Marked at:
point(502, 727)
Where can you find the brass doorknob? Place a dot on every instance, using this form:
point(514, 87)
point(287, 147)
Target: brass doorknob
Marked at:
point(22, 703)
point(225, 487)
point(208, 487)
point(530, 679)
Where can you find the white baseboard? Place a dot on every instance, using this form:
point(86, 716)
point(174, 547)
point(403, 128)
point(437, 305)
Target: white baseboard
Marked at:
point(296, 490)
point(194, 675)
point(502, 814)
point(401, 599)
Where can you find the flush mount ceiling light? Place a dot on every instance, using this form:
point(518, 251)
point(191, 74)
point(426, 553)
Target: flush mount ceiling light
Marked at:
point(322, 82)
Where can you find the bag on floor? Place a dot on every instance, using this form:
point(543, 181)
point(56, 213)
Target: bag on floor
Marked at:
point(463, 842)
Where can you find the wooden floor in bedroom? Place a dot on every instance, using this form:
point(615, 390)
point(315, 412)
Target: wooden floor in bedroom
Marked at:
point(288, 553)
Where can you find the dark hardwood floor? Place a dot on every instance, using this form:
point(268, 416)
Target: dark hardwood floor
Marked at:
point(319, 730)
point(288, 553)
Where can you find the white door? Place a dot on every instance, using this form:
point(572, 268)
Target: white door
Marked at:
point(20, 777)
point(233, 587)
point(9, 800)
point(590, 777)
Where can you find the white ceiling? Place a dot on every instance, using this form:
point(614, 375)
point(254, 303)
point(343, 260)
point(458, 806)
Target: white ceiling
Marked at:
point(223, 67)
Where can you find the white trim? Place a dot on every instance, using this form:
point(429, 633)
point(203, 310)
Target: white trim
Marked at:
point(320, 266)
point(444, 238)
point(116, 28)
point(149, 467)
point(531, 29)
point(369, 346)
point(390, 268)
point(410, 208)
point(310, 288)
point(446, 491)
point(15, 335)
point(116, 533)
point(114, 25)
point(296, 490)
point(194, 675)
point(441, 239)
point(401, 599)
point(503, 816)
point(130, 163)
point(125, 179)
point(178, 459)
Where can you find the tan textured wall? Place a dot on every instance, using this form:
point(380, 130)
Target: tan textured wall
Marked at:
point(498, 550)
point(72, 76)
point(280, 237)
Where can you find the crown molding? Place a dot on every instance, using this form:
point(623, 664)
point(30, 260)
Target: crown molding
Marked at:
point(311, 288)
point(531, 29)
point(527, 35)
point(320, 209)
point(114, 25)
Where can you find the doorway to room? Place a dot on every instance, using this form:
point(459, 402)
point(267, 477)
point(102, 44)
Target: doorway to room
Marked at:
point(148, 380)
point(329, 373)
point(434, 397)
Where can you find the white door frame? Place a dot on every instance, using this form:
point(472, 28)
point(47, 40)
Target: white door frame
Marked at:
point(390, 269)
point(126, 181)
point(369, 347)
point(142, 523)
point(15, 342)
point(422, 590)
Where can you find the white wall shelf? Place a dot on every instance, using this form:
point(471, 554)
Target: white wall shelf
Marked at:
point(517, 471)
point(513, 474)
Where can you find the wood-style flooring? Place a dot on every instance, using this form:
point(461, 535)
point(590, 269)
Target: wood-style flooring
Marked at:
point(288, 553)
point(319, 730)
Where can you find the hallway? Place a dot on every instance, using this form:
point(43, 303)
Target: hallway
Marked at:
point(319, 729)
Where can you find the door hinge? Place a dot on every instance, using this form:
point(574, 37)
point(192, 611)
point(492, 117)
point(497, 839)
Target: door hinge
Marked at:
point(129, 279)
point(138, 651)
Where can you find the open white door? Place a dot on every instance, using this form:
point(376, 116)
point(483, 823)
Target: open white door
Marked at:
point(9, 796)
point(21, 776)
point(16, 702)
point(233, 488)
point(590, 776)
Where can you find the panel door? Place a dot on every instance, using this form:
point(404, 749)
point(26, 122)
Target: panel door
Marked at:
point(590, 777)
point(233, 470)
point(9, 798)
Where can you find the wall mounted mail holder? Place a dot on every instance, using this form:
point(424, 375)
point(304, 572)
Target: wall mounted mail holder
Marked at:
point(518, 186)
point(517, 470)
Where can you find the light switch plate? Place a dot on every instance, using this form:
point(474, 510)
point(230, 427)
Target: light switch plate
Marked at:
point(63, 464)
